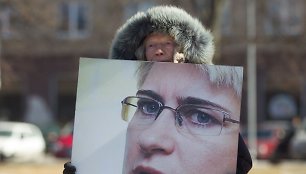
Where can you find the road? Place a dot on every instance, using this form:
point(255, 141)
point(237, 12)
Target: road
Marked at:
point(55, 166)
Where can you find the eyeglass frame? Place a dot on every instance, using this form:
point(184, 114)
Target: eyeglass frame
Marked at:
point(177, 113)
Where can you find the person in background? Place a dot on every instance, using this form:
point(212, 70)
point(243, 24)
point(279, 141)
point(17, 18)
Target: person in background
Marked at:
point(174, 36)
point(282, 150)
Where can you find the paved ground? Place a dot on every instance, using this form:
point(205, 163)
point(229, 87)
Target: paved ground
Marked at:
point(44, 165)
point(54, 166)
point(285, 167)
point(30, 169)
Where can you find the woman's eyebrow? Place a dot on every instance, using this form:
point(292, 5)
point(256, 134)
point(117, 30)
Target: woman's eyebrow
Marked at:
point(151, 94)
point(199, 101)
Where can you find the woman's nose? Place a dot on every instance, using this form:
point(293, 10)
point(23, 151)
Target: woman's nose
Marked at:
point(160, 136)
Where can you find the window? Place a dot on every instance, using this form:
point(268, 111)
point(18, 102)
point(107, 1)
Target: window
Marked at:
point(226, 19)
point(283, 17)
point(133, 7)
point(5, 31)
point(74, 20)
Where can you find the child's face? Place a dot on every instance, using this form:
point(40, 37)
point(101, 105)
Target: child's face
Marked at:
point(159, 47)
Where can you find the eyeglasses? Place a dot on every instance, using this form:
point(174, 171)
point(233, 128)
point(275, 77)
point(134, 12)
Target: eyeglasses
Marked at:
point(193, 119)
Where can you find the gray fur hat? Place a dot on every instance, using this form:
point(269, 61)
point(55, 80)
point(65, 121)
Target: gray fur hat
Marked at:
point(194, 41)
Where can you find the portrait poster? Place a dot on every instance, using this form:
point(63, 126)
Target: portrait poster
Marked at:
point(137, 117)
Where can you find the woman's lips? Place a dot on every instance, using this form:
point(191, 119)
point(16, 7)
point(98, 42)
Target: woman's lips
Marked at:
point(145, 170)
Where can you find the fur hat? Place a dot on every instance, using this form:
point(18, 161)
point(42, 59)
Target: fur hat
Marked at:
point(194, 41)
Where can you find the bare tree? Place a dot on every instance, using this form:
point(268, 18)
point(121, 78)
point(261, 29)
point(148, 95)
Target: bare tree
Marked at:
point(210, 14)
point(31, 15)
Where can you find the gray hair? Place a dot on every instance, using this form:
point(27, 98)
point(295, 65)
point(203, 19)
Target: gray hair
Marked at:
point(220, 76)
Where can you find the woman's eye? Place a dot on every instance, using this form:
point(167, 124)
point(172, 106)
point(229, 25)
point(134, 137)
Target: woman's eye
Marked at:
point(150, 46)
point(200, 118)
point(148, 107)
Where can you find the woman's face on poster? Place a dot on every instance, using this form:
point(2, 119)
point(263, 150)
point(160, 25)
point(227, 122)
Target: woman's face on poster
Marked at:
point(170, 145)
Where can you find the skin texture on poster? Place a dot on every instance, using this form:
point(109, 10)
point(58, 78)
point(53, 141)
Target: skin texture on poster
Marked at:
point(156, 118)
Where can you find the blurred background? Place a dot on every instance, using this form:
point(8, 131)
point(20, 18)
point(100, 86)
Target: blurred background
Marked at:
point(41, 42)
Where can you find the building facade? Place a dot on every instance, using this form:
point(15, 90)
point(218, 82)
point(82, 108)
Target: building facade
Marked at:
point(41, 43)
